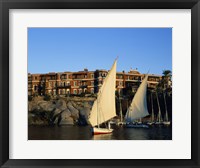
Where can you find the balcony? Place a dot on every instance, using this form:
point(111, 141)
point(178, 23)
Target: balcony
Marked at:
point(64, 86)
point(83, 86)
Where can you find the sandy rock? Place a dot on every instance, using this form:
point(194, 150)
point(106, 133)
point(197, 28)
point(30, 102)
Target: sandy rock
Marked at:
point(83, 116)
point(66, 121)
point(85, 112)
point(72, 103)
point(87, 104)
point(73, 110)
point(61, 104)
point(56, 112)
point(46, 106)
point(65, 114)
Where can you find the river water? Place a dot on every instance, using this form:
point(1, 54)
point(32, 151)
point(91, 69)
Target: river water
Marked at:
point(84, 133)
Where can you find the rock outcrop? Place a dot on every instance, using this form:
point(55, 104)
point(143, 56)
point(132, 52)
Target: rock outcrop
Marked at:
point(59, 111)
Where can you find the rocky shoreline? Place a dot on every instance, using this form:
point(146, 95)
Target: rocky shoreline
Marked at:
point(59, 110)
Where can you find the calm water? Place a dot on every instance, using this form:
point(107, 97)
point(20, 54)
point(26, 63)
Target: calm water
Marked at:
point(83, 133)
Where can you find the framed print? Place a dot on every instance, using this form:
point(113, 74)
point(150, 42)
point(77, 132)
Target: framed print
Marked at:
point(99, 83)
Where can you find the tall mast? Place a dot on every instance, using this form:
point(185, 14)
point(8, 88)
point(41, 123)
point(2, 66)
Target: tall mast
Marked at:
point(120, 106)
point(166, 113)
point(159, 112)
point(98, 111)
point(152, 111)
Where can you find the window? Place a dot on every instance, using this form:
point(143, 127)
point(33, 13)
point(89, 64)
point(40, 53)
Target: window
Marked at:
point(92, 83)
point(80, 91)
point(75, 83)
point(92, 90)
point(35, 87)
point(119, 76)
point(92, 75)
point(75, 91)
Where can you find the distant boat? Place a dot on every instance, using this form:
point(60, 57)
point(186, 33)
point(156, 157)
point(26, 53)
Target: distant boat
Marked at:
point(166, 121)
point(138, 108)
point(104, 108)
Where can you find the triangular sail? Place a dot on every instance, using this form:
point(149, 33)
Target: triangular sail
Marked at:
point(103, 108)
point(138, 107)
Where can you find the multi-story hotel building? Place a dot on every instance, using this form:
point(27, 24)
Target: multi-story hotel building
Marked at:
point(66, 83)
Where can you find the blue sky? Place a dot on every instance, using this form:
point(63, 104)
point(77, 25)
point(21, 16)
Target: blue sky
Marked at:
point(73, 49)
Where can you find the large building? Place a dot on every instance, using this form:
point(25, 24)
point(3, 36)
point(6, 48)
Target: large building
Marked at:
point(67, 83)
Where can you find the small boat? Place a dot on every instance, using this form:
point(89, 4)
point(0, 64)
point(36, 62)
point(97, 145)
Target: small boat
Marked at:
point(96, 130)
point(103, 108)
point(138, 108)
point(121, 123)
point(136, 125)
point(166, 122)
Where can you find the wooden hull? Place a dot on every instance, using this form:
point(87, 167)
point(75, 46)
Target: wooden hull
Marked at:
point(97, 131)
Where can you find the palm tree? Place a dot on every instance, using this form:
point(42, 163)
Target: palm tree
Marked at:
point(166, 79)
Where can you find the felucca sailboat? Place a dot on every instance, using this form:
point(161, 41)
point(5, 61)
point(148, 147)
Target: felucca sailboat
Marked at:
point(103, 108)
point(138, 108)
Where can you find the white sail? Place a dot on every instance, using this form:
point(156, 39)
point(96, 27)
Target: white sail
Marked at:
point(103, 108)
point(138, 107)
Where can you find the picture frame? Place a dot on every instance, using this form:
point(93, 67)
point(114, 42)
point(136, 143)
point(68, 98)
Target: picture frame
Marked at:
point(194, 5)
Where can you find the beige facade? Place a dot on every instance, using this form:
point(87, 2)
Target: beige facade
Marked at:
point(66, 83)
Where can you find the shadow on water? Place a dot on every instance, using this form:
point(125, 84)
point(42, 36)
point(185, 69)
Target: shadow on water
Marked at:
point(84, 133)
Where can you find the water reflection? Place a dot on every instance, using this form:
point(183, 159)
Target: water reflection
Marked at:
point(84, 133)
point(102, 137)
